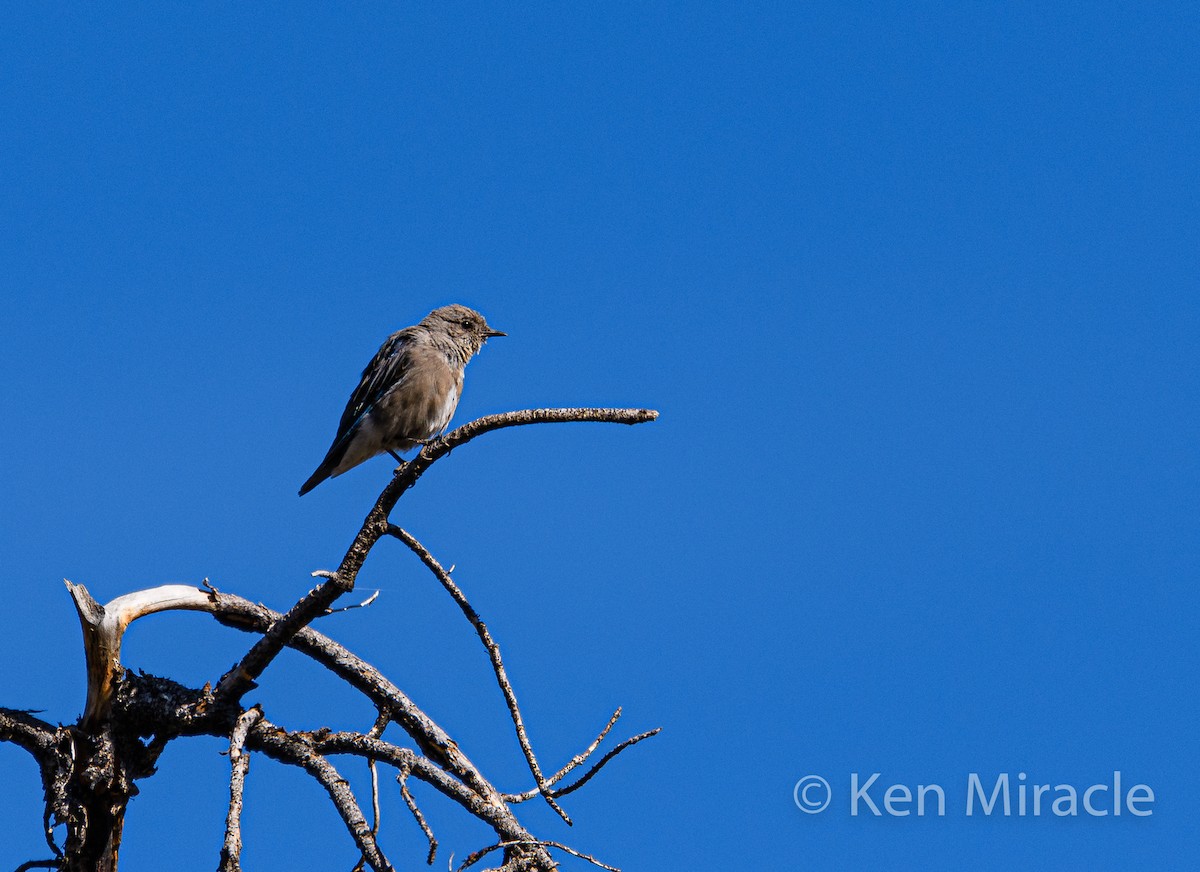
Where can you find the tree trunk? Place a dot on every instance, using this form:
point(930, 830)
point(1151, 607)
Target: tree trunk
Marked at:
point(98, 794)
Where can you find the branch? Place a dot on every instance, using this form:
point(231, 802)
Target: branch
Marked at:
point(104, 626)
point(53, 750)
point(374, 770)
point(239, 762)
point(298, 750)
point(33, 734)
point(493, 650)
point(402, 780)
point(241, 614)
point(579, 759)
point(480, 854)
point(571, 788)
point(158, 706)
point(241, 678)
point(489, 810)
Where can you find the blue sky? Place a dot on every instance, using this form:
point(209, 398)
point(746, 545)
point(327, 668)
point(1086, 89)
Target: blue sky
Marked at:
point(914, 287)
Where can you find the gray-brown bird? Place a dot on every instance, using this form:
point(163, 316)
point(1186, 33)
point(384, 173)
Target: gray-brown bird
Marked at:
point(408, 392)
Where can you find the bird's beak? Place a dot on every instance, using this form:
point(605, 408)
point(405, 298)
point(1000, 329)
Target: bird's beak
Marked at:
point(490, 333)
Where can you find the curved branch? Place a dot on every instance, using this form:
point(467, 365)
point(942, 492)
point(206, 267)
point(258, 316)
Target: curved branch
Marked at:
point(235, 683)
point(45, 744)
point(55, 863)
point(162, 707)
point(104, 626)
point(33, 734)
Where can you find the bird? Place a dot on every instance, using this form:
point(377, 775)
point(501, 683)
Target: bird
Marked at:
point(408, 392)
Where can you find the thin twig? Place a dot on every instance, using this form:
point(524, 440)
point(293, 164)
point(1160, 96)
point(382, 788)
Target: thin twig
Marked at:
point(239, 761)
point(574, 762)
point(402, 780)
point(482, 852)
point(362, 860)
point(39, 864)
point(493, 650)
point(374, 797)
point(571, 788)
point(361, 605)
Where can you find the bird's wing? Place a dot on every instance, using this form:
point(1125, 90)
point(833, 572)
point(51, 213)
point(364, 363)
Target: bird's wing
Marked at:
point(386, 369)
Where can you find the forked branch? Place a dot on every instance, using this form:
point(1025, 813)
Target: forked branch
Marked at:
point(241, 678)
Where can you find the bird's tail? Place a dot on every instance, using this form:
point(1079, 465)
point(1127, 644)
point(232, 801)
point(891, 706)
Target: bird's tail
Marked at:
point(333, 458)
point(316, 478)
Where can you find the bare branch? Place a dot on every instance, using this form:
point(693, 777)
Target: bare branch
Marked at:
point(362, 860)
point(480, 854)
point(104, 626)
point(581, 758)
point(571, 788)
point(375, 817)
point(233, 611)
point(402, 780)
point(241, 678)
point(380, 724)
point(191, 712)
point(160, 706)
point(39, 864)
point(493, 650)
point(488, 808)
point(361, 605)
point(50, 748)
point(298, 750)
point(239, 761)
point(33, 734)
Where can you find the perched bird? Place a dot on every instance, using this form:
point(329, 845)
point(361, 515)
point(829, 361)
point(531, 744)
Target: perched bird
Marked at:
point(408, 391)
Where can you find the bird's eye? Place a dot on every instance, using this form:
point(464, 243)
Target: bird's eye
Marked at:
point(466, 322)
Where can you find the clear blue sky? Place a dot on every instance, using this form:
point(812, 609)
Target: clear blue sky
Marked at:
point(915, 288)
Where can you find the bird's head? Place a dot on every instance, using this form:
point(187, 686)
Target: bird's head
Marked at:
point(465, 327)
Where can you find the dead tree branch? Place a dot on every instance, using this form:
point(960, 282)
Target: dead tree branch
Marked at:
point(474, 858)
point(241, 678)
point(298, 749)
point(239, 762)
point(33, 734)
point(104, 626)
point(39, 864)
point(402, 780)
